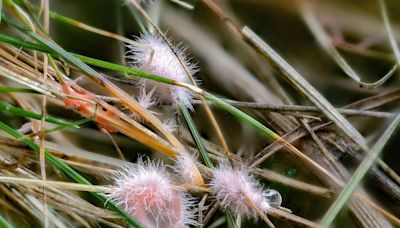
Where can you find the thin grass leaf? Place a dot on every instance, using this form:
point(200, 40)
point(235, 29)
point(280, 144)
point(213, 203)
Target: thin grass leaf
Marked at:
point(196, 136)
point(360, 172)
point(27, 114)
point(71, 173)
point(3, 222)
point(7, 89)
point(230, 219)
point(242, 116)
point(326, 43)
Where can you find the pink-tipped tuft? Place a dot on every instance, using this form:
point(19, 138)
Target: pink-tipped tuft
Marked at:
point(233, 188)
point(146, 192)
point(156, 57)
point(186, 168)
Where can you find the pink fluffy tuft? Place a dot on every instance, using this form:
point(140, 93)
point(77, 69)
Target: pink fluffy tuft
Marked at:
point(146, 192)
point(233, 187)
point(186, 168)
point(156, 57)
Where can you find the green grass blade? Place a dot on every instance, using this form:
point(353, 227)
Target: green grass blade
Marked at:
point(24, 113)
point(71, 173)
point(7, 89)
point(123, 69)
point(360, 172)
point(23, 44)
point(230, 219)
point(3, 222)
point(241, 115)
point(196, 136)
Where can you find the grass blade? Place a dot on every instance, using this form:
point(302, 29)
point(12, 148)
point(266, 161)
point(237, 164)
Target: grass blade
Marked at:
point(196, 136)
point(388, 27)
point(3, 222)
point(360, 172)
point(326, 43)
point(24, 113)
point(7, 89)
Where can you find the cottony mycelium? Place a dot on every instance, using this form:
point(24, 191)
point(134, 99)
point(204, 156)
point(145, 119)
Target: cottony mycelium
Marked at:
point(155, 56)
point(146, 191)
point(185, 167)
point(238, 191)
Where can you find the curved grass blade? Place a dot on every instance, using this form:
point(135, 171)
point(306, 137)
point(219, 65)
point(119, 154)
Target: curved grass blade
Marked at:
point(389, 30)
point(71, 173)
point(326, 43)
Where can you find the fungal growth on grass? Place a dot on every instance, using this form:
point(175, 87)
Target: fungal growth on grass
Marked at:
point(186, 168)
point(146, 192)
point(156, 57)
point(238, 191)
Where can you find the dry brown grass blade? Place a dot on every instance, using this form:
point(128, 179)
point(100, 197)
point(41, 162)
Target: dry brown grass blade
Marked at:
point(295, 184)
point(283, 215)
point(56, 184)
